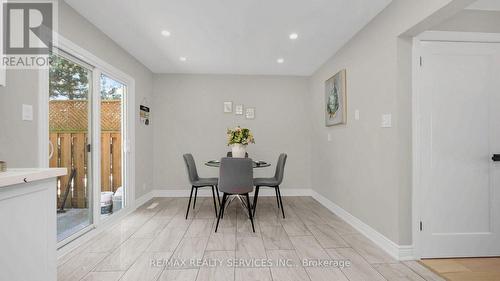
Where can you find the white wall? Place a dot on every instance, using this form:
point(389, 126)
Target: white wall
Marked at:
point(366, 169)
point(18, 139)
point(472, 21)
point(188, 117)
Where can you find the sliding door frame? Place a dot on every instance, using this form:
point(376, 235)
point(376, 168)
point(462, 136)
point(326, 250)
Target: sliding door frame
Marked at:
point(128, 121)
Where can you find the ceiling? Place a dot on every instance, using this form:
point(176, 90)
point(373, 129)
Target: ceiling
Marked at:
point(485, 5)
point(230, 36)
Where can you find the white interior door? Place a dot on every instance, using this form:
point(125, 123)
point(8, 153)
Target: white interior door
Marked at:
point(459, 112)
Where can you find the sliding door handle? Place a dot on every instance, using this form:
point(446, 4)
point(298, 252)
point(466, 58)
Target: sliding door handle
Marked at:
point(496, 157)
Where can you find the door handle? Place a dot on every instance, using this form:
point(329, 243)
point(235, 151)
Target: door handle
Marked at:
point(51, 150)
point(496, 157)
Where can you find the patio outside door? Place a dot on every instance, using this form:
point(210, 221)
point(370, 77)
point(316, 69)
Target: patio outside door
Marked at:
point(112, 94)
point(70, 92)
point(86, 107)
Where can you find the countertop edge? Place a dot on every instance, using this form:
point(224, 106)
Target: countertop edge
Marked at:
point(21, 176)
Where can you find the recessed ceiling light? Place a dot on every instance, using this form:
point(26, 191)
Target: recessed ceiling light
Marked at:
point(182, 58)
point(165, 33)
point(280, 60)
point(293, 36)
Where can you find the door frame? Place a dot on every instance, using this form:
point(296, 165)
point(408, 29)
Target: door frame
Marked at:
point(101, 66)
point(418, 203)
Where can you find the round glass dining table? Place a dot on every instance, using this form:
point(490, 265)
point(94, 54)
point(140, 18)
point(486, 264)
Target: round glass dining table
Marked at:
point(256, 164)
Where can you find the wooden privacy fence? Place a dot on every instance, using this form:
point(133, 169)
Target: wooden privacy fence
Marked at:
point(68, 123)
point(69, 151)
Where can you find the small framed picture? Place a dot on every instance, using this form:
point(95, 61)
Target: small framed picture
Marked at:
point(238, 109)
point(250, 113)
point(228, 106)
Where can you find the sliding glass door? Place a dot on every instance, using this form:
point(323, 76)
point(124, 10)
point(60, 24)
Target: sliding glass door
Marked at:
point(112, 156)
point(70, 92)
point(87, 133)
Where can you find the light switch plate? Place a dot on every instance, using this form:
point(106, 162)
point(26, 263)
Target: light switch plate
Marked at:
point(329, 137)
point(356, 114)
point(27, 112)
point(386, 121)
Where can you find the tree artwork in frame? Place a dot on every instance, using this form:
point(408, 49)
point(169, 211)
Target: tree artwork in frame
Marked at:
point(336, 99)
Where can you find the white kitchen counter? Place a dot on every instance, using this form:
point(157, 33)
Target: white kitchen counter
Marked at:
point(17, 176)
point(28, 219)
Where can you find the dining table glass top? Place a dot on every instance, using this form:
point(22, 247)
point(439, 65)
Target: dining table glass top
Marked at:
point(256, 164)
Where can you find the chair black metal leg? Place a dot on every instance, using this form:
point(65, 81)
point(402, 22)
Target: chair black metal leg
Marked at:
point(217, 190)
point(221, 211)
point(224, 202)
point(189, 203)
point(195, 195)
point(277, 197)
point(255, 197)
point(250, 211)
point(281, 201)
point(215, 204)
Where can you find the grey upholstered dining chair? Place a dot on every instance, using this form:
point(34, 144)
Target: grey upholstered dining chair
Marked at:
point(272, 182)
point(230, 154)
point(197, 182)
point(235, 178)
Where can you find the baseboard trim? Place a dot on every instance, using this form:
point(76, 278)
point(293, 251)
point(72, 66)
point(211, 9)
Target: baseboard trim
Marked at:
point(399, 252)
point(406, 253)
point(144, 198)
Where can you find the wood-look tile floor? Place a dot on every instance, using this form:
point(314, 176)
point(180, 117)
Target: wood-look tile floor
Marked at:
point(157, 231)
point(466, 269)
